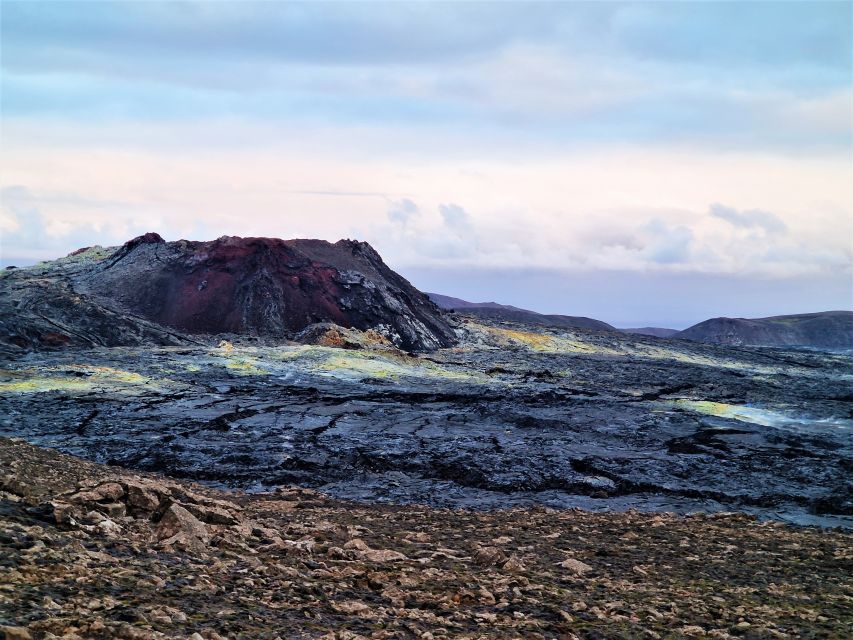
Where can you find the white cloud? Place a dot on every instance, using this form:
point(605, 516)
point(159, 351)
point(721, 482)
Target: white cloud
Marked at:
point(454, 216)
point(423, 201)
point(667, 244)
point(753, 218)
point(402, 211)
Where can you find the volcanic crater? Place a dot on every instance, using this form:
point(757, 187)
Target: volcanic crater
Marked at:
point(262, 287)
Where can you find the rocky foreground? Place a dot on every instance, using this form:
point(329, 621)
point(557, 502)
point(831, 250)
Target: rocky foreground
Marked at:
point(89, 551)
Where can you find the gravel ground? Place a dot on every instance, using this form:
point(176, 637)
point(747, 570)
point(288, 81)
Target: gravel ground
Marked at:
point(90, 551)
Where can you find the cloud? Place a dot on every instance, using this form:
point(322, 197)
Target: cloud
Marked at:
point(767, 76)
point(402, 211)
point(429, 238)
point(667, 244)
point(763, 34)
point(40, 225)
point(749, 219)
point(28, 235)
point(766, 34)
point(454, 217)
point(346, 34)
point(512, 205)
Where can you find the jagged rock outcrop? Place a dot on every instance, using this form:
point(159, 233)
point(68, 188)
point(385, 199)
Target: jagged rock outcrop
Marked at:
point(828, 329)
point(152, 291)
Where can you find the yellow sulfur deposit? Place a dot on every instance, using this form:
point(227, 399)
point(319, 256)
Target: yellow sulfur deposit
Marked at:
point(733, 412)
point(82, 378)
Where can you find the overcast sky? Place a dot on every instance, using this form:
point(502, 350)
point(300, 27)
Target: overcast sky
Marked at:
point(643, 163)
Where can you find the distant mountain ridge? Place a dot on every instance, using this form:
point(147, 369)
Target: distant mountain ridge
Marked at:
point(449, 302)
point(828, 329)
point(657, 332)
point(495, 311)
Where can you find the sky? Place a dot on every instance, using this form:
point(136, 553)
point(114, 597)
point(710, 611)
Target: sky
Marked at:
point(641, 163)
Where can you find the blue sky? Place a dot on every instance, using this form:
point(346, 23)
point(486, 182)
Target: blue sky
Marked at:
point(650, 143)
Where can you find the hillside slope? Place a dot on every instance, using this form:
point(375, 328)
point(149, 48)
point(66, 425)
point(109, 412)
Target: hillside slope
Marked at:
point(829, 329)
point(508, 313)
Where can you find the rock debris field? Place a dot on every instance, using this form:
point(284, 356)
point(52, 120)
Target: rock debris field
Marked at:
point(88, 551)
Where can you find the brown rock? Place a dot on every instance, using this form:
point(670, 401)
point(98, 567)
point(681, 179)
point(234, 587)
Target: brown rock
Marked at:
point(575, 567)
point(486, 596)
point(18, 486)
point(357, 544)
point(15, 633)
point(113, 509)
point(85, 497)
point(382, 555)
point(211, 514)
point(177, 520)
point(487, 556)
point(207, 501)
point(63, 512)
point(514, 564)
point(111, 491)
point(141, 498)
point(350, 607)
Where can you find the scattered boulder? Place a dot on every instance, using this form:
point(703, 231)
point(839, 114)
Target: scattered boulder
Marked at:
point(178, 524)
point(211, 514)
point(488, 556)
point(382, 555)
point(112, 491)
point(358, 548)
point(141, 498)
point(575, 567)
point(63, 512)
point(514, 563)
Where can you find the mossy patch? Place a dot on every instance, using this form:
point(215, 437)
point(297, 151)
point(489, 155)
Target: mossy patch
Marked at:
point(743, 413)
point(546, 342)
point(76, 378)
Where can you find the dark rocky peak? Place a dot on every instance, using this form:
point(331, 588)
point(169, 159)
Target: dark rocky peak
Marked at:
point(265, 287)
point(128, 247)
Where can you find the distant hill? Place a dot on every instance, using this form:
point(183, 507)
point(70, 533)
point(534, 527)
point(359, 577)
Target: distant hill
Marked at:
point(495, 311)
point(829, 329)
point(449, 302)
point(658, 332)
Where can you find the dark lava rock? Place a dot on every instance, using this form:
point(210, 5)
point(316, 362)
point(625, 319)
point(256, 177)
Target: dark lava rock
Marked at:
point(829, 329)
point(152, 291)
point(607, 421)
